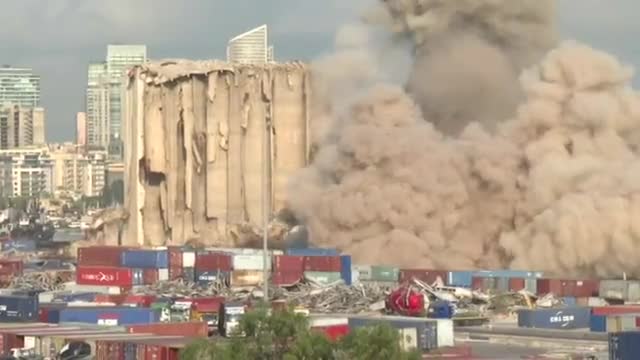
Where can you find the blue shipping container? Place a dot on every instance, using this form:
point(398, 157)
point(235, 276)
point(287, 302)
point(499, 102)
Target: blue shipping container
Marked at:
point(561, 318)
point(598, 323)
point(18, 308)
point(145, 259)
point(19, 245)
point(87, 297)
point(113, 316)
point(312, 252)
point(624, 345)
point(345, 268)
point(460, 278)
point(427, 329)
point(570, 301)
point(52, 312)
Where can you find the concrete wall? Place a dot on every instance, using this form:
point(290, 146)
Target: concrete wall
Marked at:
point(195, 133)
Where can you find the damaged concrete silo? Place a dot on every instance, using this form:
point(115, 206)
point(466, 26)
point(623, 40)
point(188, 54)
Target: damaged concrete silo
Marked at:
point(194, 133)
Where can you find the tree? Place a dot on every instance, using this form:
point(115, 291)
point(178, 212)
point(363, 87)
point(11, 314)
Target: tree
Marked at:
point(285, 335)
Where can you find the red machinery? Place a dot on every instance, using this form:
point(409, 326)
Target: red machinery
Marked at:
point(406, 301)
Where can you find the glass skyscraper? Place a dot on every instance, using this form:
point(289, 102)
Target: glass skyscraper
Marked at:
point(19, 86)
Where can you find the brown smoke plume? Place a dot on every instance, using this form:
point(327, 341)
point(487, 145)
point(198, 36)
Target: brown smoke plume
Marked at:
point(554, 188)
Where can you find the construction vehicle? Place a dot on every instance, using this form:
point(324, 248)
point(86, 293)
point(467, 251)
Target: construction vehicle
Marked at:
point(406, 301)
point(229, 319)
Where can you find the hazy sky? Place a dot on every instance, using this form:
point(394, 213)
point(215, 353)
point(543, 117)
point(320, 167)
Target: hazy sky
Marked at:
point(58, 38)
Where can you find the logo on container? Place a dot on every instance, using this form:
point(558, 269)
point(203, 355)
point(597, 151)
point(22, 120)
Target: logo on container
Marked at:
point(102, 277)
point(559, 317)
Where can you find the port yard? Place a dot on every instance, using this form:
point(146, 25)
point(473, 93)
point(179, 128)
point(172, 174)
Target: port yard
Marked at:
point(158, 300)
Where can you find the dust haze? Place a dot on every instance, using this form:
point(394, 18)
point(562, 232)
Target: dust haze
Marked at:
point(498, 148)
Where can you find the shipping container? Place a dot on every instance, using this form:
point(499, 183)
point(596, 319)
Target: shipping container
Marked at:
point(19, 245)
point(138, 300)
point(586, 288)
point(626, 290)
point(78, 296)
point(110, 316)
point(484, 283)
point(102, 289)
point(615, 310)
point(145, 259)
point(280, 278)
point(18, 309)
point(561, 318)
point(109, 298)
point(333, 332)
point(385, 274)
point(445, 332)
point(189, 274)
point(312, 252)
point(213, 276)
point(598, 323)
point(428, 276)
point(322, 278)
point(50, 313)
point(189, 258)
point(105, 276)
point(157, 349)
point(250, 262)
point(345, 269)
point(460, 278)
point(287, 263)
point(212, 261)
point(558, 287)
point(11, 267)
point(362, 272)
point(517, 284)
point(163, 274)
point(531, 285)
point(150, 276)
point(569, 301)
point(625, 322)
point(109, 256)
point(624, 345)
point(427, 334)
point(508, 274)
point(187, 329)
point(322, 263)
point(241, 278)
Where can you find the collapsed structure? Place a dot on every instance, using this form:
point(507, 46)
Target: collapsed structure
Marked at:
point(195, 134)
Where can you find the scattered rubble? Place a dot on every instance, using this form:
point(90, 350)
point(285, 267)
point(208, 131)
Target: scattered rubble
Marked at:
point(42, 281)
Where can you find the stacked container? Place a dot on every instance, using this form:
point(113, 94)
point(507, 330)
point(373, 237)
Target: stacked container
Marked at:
point(323, 270)
point(211, 266)
point(287, 270)
point(561, 318)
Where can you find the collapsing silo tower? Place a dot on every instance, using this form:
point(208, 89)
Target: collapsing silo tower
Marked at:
point(194, 135)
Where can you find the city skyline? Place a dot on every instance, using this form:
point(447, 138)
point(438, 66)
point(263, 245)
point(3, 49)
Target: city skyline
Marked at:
point(67, 38)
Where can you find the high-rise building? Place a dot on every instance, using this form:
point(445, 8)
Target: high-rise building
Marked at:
point(78, 172)
point(21, 126)
point(120, 58)
point(251, 47)
point(19, 86)
point(31, 171)
point(98, 106)
point(81, 129)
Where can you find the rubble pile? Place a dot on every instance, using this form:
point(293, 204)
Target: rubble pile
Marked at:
point(42, 281)
point(340, 298)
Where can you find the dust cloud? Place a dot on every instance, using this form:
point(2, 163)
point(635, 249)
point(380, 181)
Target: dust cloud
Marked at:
point(503, 150)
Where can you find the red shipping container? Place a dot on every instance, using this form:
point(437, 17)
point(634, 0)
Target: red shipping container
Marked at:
point(11, 267)
point(101, 255)
point(175, 262)
point(557, 287)
point(282, 278)
point(516, 284)
point(587, 288)
point(615, 310)
point(638, 322)
point(322, 263)
point(212, 261)
point(208, 302)
point(428, 276)
point(106, 276)
point(333, 332)
point(288, 263)
point(150, 276)
point(139, 300)
point(188, 329)
point(9, 341)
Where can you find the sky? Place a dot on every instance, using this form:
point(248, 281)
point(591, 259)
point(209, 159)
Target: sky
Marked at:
point(59, 38)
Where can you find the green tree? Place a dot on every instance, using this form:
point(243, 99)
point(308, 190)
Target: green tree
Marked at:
point(285, 335)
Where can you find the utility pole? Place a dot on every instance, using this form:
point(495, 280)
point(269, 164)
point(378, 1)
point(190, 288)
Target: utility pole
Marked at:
point(265, 207)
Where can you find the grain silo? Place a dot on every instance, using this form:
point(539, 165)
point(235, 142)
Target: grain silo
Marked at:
point(194, 135)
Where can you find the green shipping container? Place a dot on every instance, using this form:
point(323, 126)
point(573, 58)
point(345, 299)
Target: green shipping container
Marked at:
point(322, 278)
point(385, 273)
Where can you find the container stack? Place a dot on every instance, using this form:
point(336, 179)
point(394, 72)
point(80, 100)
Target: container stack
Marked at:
point(211, 266)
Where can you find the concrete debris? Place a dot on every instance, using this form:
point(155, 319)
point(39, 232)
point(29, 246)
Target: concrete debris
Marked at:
point(106, 227)
point(42, 281)
point(339, 298)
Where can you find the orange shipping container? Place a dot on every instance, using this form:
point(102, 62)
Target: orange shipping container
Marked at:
point(188, 329)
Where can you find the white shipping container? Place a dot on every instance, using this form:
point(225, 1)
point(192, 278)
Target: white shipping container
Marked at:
point(244, 251)
point(46, 297)
point(29, 342)
point(163, 274)
point(445, 332)
point(189, 259)
point(328, 321)
point(73, 287)
point(250, 262)
point(364, 272)
point(355, 277)
point(241, 278)
point(408, 338)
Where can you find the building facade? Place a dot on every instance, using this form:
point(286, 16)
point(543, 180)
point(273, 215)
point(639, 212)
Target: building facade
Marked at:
point(81, 129)
point(251, 47)
point(19, 86)
point(31, 171)
point(120, 58)
point(21, 126)
point(78, 172)
point(98, 106)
